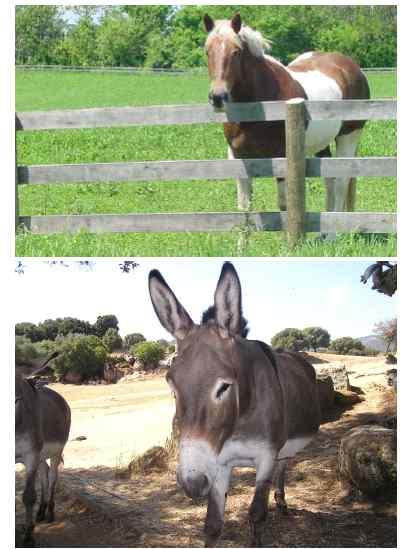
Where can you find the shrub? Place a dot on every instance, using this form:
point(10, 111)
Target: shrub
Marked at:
point(111, 340)
point(149, 353)
point(133, 339)
point(85, 355)
point(25, 350)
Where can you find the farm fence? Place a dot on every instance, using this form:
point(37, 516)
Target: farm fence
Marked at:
point(295, 167)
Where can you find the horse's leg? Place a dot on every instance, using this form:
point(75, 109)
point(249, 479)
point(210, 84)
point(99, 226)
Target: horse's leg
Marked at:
point(29, 496)
point(259, 508)
point(346, 146)
point(244, 188)
point(281, 466)
point(281, 181)
point(216, 507)
point(54, 466)
point(44, 483)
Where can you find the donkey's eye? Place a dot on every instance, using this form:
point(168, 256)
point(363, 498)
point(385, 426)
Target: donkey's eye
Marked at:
point(222, 390)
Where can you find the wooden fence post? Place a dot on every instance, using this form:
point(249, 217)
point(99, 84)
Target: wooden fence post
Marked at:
point(16, 181)
point(296, 161)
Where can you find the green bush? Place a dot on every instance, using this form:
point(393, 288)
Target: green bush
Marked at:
point(133, 339)
point(149, 353)
point(25, 350)
point(111, 340)
point(85, 355)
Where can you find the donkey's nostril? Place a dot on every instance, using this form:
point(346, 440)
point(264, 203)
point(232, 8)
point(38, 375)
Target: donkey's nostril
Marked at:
point(197, 486)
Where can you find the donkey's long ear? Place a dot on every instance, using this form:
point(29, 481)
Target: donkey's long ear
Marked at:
point(208, 22)
point(171, 314)
point(236, 23)
point(228, 302)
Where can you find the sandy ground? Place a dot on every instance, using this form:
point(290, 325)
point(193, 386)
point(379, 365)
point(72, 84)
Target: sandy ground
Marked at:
point(97, 509)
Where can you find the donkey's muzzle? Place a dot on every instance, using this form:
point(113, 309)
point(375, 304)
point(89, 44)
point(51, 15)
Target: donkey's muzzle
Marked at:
point(217, 100)
point(197, 486)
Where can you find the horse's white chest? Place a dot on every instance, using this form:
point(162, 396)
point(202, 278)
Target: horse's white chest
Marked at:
point(319, 87)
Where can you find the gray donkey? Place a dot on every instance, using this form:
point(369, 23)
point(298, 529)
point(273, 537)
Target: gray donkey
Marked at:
point(42, 425)
point(238, 402)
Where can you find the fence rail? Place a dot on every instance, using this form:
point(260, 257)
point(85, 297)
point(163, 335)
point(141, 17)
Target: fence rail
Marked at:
point(143, 70)
point(295, 167)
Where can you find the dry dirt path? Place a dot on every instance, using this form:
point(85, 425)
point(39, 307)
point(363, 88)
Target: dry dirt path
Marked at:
point(96, 509)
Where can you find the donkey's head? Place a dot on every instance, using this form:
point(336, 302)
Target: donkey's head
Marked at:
point(229, 48)
point(203, 377)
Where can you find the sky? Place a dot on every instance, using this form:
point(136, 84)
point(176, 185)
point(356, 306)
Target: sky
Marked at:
point(276, 294)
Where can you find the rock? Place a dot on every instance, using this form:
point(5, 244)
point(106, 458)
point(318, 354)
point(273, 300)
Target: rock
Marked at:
point(391, 378)
point(345, 398)
point(337, 371)
point(326, 393)
point(155, 459)
point(367, 462)
point(80, 438)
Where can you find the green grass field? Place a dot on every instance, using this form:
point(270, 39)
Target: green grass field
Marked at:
point(64, 90)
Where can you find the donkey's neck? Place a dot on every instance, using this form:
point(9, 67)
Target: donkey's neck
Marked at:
point(263, 80)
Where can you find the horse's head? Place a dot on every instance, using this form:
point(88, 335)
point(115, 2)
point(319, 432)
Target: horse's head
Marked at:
point(203, 377)
point(228, 45)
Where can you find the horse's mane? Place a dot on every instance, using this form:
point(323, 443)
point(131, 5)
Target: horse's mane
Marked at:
point(209, 317)
point(254, 40)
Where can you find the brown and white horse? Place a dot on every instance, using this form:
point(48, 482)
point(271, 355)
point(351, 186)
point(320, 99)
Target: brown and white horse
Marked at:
point(238, 402)
point(240, 71)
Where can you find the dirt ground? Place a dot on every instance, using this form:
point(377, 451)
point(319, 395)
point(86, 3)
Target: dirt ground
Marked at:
point(96, 508)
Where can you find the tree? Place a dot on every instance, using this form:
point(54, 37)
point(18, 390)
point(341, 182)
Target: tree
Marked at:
point(39, 29)
point(103, 323)
point(133, 339)
point(25, 350)
point(148, 353)
point(29, 330)
point(316, 337)
point(112, 340)
point(387, 330)
point(84, 355)
point(290, 338)
point(347, 346)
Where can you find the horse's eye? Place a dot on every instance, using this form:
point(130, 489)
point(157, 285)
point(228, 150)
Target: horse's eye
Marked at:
point(222, 390)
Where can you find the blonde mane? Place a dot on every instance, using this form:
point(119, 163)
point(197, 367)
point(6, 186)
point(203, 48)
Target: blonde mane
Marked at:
point(254, 40)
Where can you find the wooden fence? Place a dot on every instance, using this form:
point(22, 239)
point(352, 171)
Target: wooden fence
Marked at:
point(295, 167)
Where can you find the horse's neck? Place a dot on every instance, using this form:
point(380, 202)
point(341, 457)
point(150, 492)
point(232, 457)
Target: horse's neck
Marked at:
point(263, 80)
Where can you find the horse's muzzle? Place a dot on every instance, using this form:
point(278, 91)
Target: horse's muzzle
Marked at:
point(218, 100)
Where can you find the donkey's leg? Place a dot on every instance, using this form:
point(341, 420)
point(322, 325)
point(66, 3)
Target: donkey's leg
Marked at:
point(44, 483)
point(351, 198)
point(244, 188)
point(54, 466)
point(216, 507)
point(259, 508)
point(282, 194)
point(29, 496)
point(281, 466)
point(346, 146)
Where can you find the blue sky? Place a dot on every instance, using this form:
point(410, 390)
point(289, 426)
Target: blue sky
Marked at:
point(277, 294)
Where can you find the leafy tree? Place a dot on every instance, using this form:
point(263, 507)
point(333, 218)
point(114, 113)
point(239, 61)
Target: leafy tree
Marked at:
point(39, 29)
point(149, 353)
point(290, 338)
point(133, 339)
point(79, 47)
point(316, 337)
point(103, 323)
point(85, 355)
point(29, 330)
point(388, 331)
point(112, 340)
point(347, 346)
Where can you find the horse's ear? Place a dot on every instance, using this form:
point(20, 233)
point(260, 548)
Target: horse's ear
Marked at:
point(171, 314)
point(228, 302)
point(208, 22)
point(236, 23)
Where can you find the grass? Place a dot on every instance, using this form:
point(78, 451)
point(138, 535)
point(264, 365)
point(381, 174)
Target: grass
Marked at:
point(49, 90)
